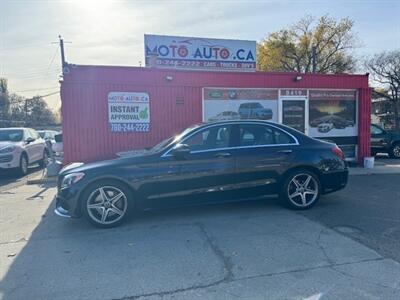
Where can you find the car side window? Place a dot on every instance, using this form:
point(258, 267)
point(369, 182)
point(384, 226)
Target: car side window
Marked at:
point(376, 130)
point(258, 135)
point(27, 134)
point(210, 138)
point(34, 134)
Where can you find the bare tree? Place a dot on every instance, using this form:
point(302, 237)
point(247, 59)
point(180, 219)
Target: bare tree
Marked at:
point(385, 74)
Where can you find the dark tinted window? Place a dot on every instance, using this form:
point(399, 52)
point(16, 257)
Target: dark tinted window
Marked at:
point(210, 138)
point(376, 130)
point(258, 135)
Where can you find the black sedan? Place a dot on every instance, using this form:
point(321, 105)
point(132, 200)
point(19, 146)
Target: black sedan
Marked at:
point(208, 163)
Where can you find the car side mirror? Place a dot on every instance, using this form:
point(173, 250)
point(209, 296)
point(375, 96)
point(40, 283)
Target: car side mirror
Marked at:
point(29, 140)
point(180, 151)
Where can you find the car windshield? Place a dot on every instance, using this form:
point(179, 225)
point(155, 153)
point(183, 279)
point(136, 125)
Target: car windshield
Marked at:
point(160, 146)
point(42, 133)
point(12, 135)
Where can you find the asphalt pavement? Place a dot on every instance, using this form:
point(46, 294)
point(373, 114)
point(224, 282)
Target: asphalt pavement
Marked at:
point(346, 247)
point(368, 210)
point(10, 178)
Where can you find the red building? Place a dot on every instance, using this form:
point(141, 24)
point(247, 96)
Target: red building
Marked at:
point(108, 109)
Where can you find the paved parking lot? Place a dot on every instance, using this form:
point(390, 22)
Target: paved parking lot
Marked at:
point(254, 250)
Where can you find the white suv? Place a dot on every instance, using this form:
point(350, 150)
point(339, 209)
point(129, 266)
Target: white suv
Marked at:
point(20, 147)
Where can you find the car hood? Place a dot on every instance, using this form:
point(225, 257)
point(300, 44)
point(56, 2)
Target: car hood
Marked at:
point(123, 161)
point(7, 143)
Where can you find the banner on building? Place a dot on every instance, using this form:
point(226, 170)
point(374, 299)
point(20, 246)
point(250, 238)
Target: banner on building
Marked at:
point(233, 104)
point(128, 112)
point(199, 53)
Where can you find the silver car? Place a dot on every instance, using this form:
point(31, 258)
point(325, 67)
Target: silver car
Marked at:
point(20, 147)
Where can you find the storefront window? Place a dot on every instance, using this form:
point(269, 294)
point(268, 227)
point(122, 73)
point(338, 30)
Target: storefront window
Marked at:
point(332, 113)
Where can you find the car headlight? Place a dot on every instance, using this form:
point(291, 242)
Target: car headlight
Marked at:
point(70, 179)
point(7, 149)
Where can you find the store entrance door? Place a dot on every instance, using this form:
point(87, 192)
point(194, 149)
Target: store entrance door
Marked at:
point(294, 113)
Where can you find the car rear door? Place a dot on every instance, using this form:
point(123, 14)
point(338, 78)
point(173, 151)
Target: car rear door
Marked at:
point(206, 174)
point(263, 154)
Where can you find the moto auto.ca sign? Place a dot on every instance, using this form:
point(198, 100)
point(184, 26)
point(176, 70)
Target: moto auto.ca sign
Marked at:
point(200, 53)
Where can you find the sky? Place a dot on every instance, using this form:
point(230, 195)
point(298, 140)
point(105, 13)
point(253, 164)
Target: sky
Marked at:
point(112, 32)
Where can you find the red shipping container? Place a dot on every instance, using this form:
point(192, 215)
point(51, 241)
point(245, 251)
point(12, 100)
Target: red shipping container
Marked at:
point(175, 103)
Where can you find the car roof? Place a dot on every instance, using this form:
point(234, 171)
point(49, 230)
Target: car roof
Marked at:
point(15, 128)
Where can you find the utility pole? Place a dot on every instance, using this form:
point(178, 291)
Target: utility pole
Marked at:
point(314, 59)
point(62, 51)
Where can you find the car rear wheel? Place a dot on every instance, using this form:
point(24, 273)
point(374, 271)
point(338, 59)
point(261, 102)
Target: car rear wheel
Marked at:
point(106, 204)
point(301, 190)
point(395, 151)
point(44, 161)
point(23, 165)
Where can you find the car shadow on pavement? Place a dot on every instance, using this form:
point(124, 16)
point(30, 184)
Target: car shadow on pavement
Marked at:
point(70, 259)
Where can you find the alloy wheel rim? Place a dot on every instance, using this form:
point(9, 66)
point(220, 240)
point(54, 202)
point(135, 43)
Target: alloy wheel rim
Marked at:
point(302, 190)
point(396, 151)
point(107, 205)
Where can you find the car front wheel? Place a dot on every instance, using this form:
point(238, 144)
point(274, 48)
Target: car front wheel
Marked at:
point(301, 190)
point(395, 151)
point(106, 204)
point(23, 165)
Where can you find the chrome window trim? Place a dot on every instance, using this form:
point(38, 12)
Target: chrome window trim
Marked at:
point(198, 129)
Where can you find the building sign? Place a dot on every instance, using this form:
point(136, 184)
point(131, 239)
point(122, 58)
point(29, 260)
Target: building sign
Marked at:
point(332, 113)
point(233, 104)
point(128, 112)
point(293, 93)
point(199, 53)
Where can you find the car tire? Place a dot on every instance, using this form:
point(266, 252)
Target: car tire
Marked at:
point(99, 208)
point(44, 161)
point(394, 151)
point(300, 190)
point(23, 165)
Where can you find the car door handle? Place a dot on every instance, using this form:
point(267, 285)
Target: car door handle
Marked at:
point(222, 155)
point(286, 151)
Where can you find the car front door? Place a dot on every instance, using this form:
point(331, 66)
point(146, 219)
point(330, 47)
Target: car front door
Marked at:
point(205, 174)
point(29, 146)
point(37, 145)
point(264, 154)
point(378, 140)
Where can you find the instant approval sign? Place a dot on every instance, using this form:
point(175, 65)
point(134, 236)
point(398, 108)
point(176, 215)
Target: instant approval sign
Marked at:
point(200, 53)
point(128, 112)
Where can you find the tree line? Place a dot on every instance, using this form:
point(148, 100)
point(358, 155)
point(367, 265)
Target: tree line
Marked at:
point(16, 110)
point(326, 45)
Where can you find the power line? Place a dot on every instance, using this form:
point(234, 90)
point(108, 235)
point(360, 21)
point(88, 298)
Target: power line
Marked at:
point(31, 90)
point(48, 68)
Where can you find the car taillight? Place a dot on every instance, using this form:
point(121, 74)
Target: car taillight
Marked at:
point(338, 152)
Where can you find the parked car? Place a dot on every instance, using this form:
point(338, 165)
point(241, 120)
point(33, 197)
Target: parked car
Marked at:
point(336, 121)
point(325, 127)
point(49, 137)
point(58, 146)
point(385, 141)
point(254, 110)
point(225, 115)
point(209, 163)
point(20, 147)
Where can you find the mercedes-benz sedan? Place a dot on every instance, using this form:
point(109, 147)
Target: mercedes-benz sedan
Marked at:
point(207, 163)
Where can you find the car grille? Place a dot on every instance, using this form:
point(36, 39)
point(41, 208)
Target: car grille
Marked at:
point(6, 158)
